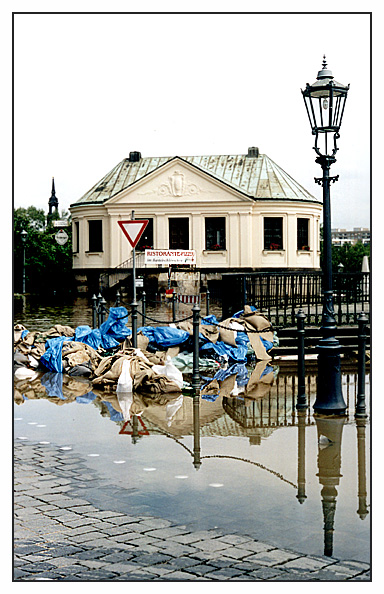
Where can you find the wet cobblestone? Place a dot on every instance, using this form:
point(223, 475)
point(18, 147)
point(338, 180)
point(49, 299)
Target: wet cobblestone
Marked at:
point(60, 536)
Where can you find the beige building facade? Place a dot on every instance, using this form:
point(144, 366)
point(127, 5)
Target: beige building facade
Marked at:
point(239, 213)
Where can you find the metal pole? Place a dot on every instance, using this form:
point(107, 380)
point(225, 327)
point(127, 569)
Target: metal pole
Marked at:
point(329, 399)
point(134, 324)
point(196, 371)
point(360, 411)
point(94, 311)
point(134, 265)
point(23, 269)
point(134, 304)
point(301, 403)
point(173, 307)
point(207, 301)
point(117, 298)
point(102, 311)
point(144, 306)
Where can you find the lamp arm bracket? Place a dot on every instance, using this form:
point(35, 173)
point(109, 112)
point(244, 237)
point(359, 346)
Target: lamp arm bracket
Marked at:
point(320, 180)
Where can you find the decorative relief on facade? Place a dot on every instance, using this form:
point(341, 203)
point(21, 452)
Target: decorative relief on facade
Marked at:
point(176, 186)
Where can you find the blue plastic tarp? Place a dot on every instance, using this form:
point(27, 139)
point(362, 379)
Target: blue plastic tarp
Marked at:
point(115, 326)
point(53, 383)
point(267, 343)
point(267, 370)
point(86, 398)
point(165, 336)
point(86, 335)
point(52, 358)
point(113, 413)
point(111, 332)
point(237, 354)
point(240, 313)
point(238, 369)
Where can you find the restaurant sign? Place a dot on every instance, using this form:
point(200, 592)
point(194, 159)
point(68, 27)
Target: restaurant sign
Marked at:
point(170, 257)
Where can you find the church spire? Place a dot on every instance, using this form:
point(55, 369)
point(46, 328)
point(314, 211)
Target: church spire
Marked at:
point(53, 202)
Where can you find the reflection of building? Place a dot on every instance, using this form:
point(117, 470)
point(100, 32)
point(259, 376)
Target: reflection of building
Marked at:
point(236, 211)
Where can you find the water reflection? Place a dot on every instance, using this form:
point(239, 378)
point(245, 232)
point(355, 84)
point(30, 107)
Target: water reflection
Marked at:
point(138, 416)
point(329, 432)
point(301, 423)
point(362, 470)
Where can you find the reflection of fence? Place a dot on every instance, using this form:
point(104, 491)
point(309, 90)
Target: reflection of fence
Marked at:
point(278, 407)
point(280, 294)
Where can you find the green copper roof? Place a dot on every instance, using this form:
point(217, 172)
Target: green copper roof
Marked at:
point(257, 177)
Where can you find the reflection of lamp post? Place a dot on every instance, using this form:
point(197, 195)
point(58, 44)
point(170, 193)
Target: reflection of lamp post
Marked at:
point(361, 469)
point(135, 429)
point(329, 433)
point(24, 236)
point(301, 496)
point(325, 102)
point(196, 431)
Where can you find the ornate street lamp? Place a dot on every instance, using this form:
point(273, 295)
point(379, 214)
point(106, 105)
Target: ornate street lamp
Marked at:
point(325, 103)
point(24, 236)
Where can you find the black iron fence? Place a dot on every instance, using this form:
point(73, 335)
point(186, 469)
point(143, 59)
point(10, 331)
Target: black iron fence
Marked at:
point(280, 294)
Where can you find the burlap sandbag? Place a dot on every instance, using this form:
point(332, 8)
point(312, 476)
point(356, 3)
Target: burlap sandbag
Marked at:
point(209, 331)
point(226, 335)
point(211, 389)
point(258, 386)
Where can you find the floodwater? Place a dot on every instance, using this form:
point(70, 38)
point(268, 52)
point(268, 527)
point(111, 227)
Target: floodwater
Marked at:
point(242, 466)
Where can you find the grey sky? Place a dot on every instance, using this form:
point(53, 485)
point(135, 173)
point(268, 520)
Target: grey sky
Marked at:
point(91, 88)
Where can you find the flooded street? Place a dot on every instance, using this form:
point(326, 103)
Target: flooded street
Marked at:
point(253, 467)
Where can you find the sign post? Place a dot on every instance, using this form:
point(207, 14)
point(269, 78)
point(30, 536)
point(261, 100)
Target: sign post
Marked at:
point(133, 230)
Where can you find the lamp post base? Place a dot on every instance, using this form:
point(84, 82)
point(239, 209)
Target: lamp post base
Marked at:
point(329, 399)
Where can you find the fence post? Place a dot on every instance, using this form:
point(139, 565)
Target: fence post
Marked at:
point(144, 306)
point(360, 411)
point(207, 302)
point(117, 298)
point(102, 311)
point(301, 403)
point(94, 311)
point(196, 371)
point(173, 307)
point(134, 324)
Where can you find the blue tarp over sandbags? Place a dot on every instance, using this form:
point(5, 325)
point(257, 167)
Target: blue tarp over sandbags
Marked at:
point(114, 329)
point(237, 354)
point(86, 335)
point(52, 358)
point(53, 383)
point(111, 332)
point(164, 336)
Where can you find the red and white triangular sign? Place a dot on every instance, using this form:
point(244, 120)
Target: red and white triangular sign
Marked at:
point(133, 230)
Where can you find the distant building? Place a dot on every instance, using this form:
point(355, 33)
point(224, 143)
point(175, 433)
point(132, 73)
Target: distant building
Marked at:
point(238, 212)
point(343, 236)
point(53, 203)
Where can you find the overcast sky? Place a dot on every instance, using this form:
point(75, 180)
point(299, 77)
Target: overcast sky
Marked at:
point(90, 88)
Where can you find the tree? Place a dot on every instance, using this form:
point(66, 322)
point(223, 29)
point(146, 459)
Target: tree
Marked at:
point(350, 256)
point(48, 265)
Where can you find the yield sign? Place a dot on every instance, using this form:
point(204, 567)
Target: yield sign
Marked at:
point(133, 230)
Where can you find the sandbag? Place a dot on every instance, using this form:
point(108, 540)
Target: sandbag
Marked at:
point(170, 371)
point(124, 383)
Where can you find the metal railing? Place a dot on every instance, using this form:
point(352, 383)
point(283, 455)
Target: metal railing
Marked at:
point(280, 294)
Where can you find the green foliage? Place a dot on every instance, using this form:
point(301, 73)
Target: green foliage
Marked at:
point(350, 256)
point(48, 265)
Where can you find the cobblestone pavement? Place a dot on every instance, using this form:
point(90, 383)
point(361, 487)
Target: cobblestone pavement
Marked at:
point(59, 535)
